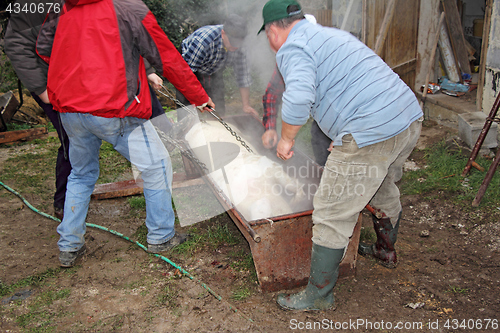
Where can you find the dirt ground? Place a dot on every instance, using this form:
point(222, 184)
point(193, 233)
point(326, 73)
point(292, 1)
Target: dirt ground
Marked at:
point(445, 282)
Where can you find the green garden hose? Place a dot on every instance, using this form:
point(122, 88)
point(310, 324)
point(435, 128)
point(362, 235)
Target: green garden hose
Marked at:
point(91, 225)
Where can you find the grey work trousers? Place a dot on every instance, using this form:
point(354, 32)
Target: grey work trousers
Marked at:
point(354, 177)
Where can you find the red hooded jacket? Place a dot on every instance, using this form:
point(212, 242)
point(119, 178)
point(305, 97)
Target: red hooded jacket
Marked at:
point(94, 50)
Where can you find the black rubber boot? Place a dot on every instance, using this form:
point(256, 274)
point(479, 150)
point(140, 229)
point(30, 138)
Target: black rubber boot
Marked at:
point(383, 249)
point(318, 294)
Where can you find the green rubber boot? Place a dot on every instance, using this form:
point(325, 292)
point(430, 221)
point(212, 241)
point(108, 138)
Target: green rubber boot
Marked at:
point(318, 294)
point(383, 249)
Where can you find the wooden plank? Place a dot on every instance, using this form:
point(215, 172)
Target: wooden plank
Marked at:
point(118, 189)
point(23, 135)
point(456, 35)
point(405, 67)
point(382, 35)
point(131, 187)
point(431, 60)
point(401, 36)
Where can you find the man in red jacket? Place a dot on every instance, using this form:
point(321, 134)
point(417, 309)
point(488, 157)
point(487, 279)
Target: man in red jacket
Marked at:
point(97, 81)
point(20, 46)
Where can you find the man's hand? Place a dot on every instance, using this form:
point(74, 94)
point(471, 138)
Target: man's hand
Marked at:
point(288, 134)
point(269, 138)
point(44, 97)
point(284, 149)
point(330, 147)
point(206, 106)
point(245, 98)
point(155, 81)
point(250, 110)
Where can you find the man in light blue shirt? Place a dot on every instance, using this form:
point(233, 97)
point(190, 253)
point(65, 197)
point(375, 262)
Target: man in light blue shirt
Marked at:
point(373, 120)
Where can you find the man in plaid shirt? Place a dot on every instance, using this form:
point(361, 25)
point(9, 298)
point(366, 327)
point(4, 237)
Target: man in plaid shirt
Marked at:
point(209, 50)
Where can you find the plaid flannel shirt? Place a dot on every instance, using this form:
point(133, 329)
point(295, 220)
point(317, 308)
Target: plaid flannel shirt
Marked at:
point(205, 53)
point(271, 99)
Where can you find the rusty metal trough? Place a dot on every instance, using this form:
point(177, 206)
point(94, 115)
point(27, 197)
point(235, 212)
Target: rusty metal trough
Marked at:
point(280, 245)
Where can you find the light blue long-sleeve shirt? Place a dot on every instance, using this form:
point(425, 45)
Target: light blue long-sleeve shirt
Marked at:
point(344, 85)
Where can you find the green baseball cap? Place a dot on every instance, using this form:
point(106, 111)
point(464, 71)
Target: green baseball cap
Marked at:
point(275, 10)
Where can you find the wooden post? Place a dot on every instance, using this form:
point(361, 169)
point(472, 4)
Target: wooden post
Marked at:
point(431, 61)
point(382, 35)
point(456, 35)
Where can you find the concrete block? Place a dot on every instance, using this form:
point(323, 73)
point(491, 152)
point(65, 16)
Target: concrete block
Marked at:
point(470, 126)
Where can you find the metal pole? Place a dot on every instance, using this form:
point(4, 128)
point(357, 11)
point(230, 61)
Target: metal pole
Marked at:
point(482, 135)
point(487, 180)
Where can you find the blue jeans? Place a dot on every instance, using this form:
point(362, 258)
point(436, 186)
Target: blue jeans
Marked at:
point(136, 140)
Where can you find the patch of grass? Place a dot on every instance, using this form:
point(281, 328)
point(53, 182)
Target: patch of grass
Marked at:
point(367, 235)
point(31, 171)
point(241, 293)
point(168, 296)
point(443, 175)
point(13, 126)
point(214, 236)
point(39, 318)
point(243, 261)
point(194, 242)
point(137, 202)
point(457, 290)
point(219, 234)
point(141, 235)
point(48, 297)
point(33, 280)
point(112, 164)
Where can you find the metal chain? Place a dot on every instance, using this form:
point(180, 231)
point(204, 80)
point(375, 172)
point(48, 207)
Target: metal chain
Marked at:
point(233, 133)
point(216, 116)
point(171, 96)
point(176, 143)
